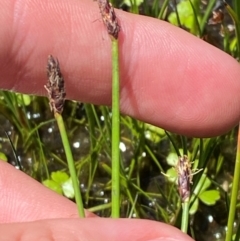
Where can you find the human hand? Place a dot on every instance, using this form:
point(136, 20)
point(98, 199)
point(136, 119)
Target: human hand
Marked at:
point(193, 91)
point(168, 77)
point(29, 211)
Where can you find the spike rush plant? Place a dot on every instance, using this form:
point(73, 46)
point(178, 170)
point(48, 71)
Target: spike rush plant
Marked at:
point(184, 181)
point(56, 94)
point(110, 21)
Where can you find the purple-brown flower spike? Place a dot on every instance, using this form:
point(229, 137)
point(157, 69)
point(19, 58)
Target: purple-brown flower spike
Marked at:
point(109, 18)
point(55, 85)
point(184, 177)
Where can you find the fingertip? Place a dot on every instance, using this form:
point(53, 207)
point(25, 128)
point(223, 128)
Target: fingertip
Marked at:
point(25, 199)
point(92, 229)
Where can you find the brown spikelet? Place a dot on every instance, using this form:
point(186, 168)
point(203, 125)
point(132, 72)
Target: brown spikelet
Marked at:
point(184, 177)
point(55, 85)
point(109, 18)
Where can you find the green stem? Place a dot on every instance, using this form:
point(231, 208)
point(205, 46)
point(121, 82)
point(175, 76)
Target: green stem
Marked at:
point(234, 194)
point(71, 164)
point(236, 20)
point(185, 215)
point(92, 137)
point(206, 15)
point(163, 8)
point(115, 132)
point(100, 207)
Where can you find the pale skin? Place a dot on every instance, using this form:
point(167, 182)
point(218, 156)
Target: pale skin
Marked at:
point(168, 78)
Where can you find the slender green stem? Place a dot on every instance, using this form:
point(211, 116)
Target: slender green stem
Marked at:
point(163, 9)
point(195, 29)
point(206, 15)
point(236, 20)
point(71, 164)
point(235, 185)
point(236, 4)
point(236, 177)
point(115, 132)
point(185, 216)
point(91, 124)
point(100, 207)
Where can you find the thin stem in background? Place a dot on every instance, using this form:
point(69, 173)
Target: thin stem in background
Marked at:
point(234, 195)
point(236, 176)
point(18, 162)
point(162, 12)
point(92, 137)
point(236, 20)
point(206, 15)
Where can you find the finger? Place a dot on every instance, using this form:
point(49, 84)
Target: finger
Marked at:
point(168, 77)
point(92, 229)
point(24, 199)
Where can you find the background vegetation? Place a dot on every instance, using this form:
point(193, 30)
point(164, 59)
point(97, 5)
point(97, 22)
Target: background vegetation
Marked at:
point(30, 140)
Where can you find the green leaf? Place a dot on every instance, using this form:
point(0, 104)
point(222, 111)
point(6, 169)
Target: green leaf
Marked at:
point(24, 99)
point(194, 207)
point(67, 188)
point(131, 2)
point(233, 45)
point(172, 159)
point(186, 15)
point(3, 157)
point(172, 174)
point(209, 197)
point(206, 184)
point(153, 133)
point(203, 184)
point(59, 177)
point(53, 186)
